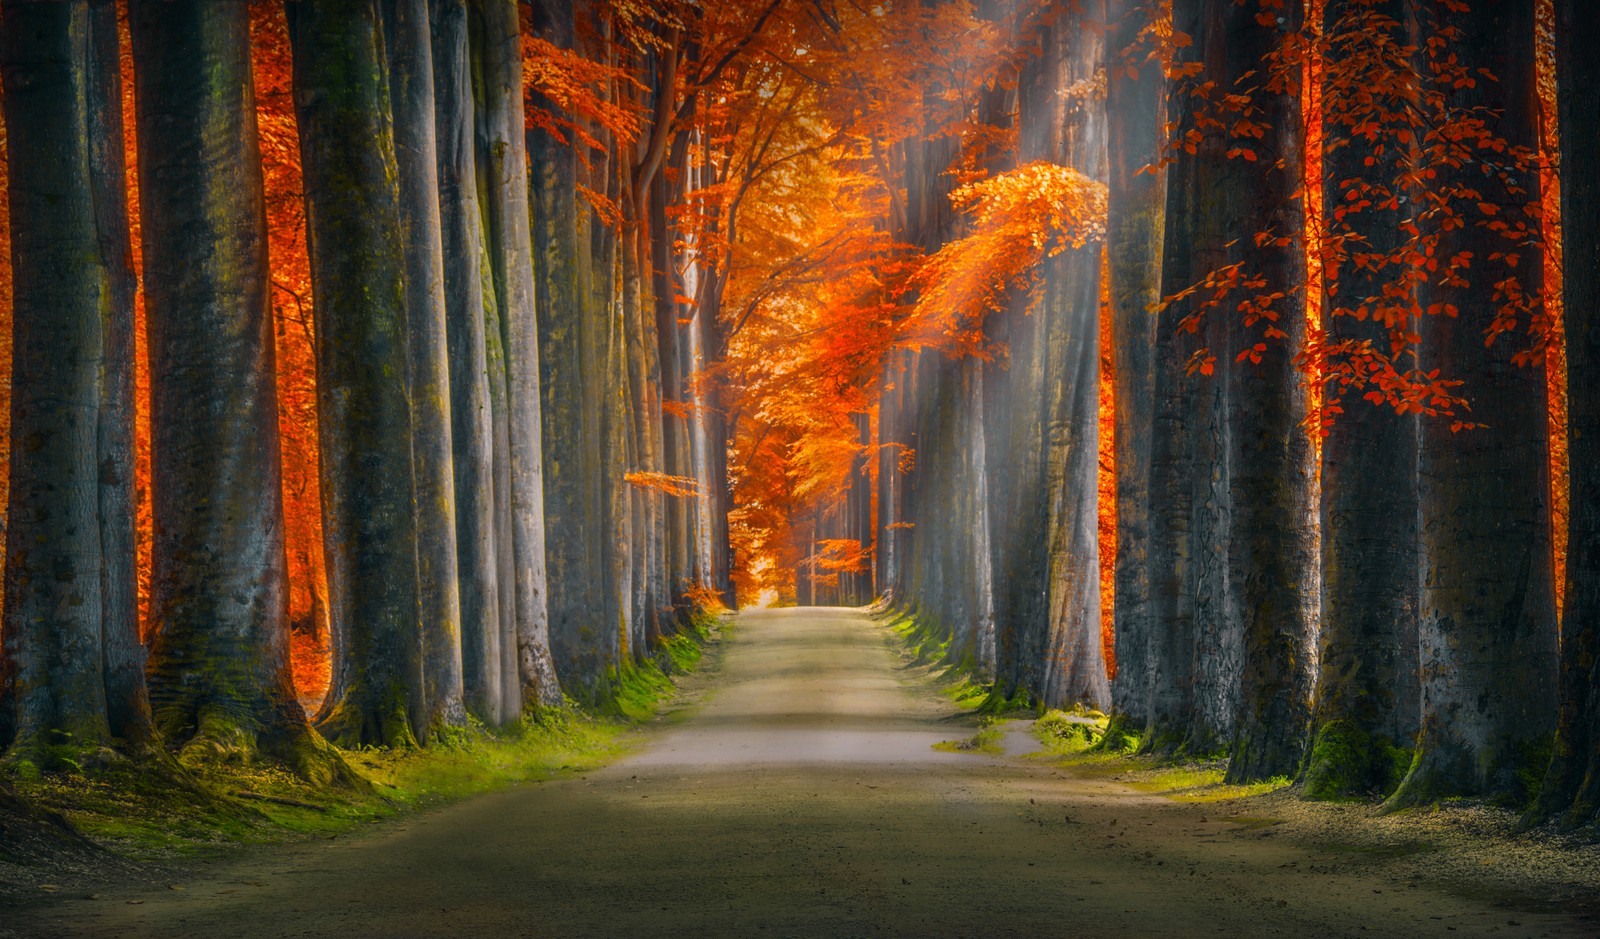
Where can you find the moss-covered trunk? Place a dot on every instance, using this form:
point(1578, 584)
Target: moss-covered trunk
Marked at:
point(410, 67)
point(365, 429)
point(1367, 686)
point(52, 655)
point(502, 139)
point(471, 428)
point(219, 669)
point(1488, 622)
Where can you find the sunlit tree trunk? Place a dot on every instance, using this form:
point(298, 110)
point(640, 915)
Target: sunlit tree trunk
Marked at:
point(1571, 789)
point(358, 267)
point(219, 672)
point(1273, 558)
point(53, 611)
point(1488, 629)
point(1074, 667)
point(1367, 692)
point(504, 156)
point(1135, 108)
point(127, 701)
point(471, 430)
point(411, 81)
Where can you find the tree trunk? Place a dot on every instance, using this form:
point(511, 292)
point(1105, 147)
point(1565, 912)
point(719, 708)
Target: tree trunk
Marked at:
point(1074, 667)
point(1273, 556)
point(219, 671)
point(504, 157)
point(570, 368)
point(471, 428)
point(1367, 693)
point(358, 262)
point(411, 81)
point(1572, 786)
point(1135, 107)
point(127, 700)
point(62, 301)
point(1488, 629)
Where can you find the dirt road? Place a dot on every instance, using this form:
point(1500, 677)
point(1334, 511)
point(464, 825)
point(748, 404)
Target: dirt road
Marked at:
point(803, 797)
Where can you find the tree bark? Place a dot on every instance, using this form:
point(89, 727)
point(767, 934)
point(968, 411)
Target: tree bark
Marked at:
point(127, 699)
point(1571, 790)
point(219, 674)
point(1488, 628)
point(503, 157)
point(411, 81)
point(1135, 107)
point(61, 302)
point(1273, 556)
point(1367, 692)
point(471, 418)
point(358, 262)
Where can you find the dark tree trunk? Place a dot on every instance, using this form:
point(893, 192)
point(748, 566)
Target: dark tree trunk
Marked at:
point(1135, 107)
point(219, 669)
point(127, 701)
point(1488, 628)
point(1176, 472)
point(1273, 556)
point(53, 609)
point(411, 81)
point(1572, 787)
point(358, 262)
point(503, 157)
point(1367, 692)
point(471, 418)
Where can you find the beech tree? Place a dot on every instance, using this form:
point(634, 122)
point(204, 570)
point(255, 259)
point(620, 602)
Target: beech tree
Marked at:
point(1571, 789)
point(358, 277)
point(472, 419)
point(65, 694)
point(409, 53)
point(219, 676)
point(1487, 630)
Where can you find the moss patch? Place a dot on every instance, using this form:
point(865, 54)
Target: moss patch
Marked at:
point(152, 815)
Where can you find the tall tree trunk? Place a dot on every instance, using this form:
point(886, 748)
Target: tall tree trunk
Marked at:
point(411, 81)
point(53, 610)
point(471, 428)
point(127, 701)
point(219, 671)
point(1273, 555)
point(570, 368)
point(358, 262)
point(1075, 667)
point(1135, 107)
point(1488, 628)
point(1367, 692)
point(1571, 788)
point(504, 158)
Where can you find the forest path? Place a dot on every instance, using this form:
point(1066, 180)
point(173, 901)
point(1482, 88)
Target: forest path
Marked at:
point(802, 797)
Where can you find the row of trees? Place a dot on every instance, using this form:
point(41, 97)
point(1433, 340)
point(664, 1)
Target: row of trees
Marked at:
point(501, 374)
point(1306, 207)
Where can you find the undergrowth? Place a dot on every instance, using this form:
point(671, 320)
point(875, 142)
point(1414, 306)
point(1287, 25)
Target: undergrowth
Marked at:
point(145, 815)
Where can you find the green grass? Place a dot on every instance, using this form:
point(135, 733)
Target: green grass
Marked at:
point(986, 740)
point(168, 812)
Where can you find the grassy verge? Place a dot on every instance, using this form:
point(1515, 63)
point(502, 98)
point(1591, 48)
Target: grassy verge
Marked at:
point(1071, 738)
point(154, 816)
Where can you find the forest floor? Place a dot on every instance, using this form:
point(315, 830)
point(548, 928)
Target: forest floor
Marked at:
point(800, 789)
